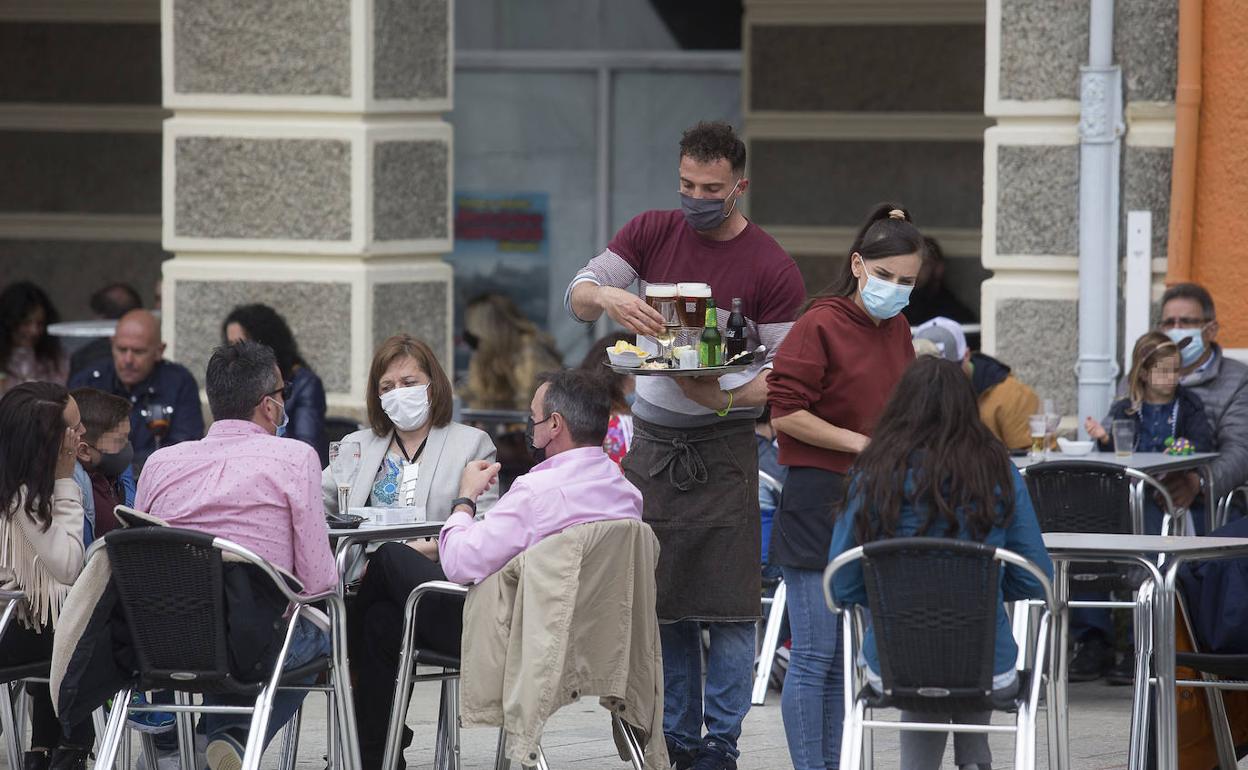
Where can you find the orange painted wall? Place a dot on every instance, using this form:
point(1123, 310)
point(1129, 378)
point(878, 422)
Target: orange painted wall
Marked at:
point(1220, 237)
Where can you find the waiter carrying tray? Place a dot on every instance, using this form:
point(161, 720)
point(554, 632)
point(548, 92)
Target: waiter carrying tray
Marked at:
point(693, 455)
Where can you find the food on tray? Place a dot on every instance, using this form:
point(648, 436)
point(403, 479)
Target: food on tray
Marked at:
point(624, 346)
point(655, 365)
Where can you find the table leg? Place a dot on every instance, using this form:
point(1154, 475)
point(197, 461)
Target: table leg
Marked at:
point(1058, 708)
point(1138, 754)
point(1163, 641)
point(1214, 516)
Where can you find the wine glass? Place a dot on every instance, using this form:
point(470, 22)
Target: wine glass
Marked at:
point(344, 461)
point(156, 416)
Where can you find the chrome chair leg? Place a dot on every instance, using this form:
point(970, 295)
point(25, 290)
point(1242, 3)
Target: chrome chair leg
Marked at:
point(771, 638)
point(636, 754)
point(185, 727)
point(12, 742)
point(147, 748)
point(1142, 691)
point(333, 737)
point(452, 724)
point(110, 741)
point(501, 762)
point(541, 760)
point(290, 742)
point(440, 749)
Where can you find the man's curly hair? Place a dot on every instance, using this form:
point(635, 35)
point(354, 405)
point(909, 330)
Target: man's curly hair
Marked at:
point(707, 142)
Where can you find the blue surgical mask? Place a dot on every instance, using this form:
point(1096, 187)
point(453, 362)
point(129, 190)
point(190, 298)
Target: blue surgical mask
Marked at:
point(883, 299)
point(1192, 351)
point(281, 426)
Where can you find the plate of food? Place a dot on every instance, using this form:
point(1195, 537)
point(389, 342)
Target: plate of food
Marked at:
point(657, 367)
point(626, 356)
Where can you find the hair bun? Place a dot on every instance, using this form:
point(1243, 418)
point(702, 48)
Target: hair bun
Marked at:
point(897, 214)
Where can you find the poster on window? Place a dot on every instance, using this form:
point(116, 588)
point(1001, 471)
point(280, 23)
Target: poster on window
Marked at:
point(501, 246)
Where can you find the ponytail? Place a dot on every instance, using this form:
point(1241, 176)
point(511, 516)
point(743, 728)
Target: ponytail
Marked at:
point(888, 232)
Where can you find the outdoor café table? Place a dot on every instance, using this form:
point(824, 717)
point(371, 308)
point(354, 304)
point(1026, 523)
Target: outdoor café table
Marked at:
point(1142, 550)
point(1153, 464)
point(350, 545)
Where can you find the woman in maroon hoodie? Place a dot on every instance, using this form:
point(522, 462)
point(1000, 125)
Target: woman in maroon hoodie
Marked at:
point(832, 377)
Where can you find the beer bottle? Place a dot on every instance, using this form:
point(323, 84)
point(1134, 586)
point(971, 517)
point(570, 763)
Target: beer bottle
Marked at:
point(734, 334)
point(710, 346)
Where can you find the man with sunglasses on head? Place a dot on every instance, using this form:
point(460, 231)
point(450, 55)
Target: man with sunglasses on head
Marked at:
point(1187, 312)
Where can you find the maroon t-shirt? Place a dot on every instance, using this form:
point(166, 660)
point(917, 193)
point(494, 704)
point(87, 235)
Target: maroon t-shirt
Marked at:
point(663, 248)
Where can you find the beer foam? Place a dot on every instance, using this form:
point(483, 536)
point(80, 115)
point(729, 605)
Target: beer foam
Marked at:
point(661, 290)
point(695, 290)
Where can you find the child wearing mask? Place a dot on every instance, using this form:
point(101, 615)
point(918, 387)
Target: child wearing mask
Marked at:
point(105, 454)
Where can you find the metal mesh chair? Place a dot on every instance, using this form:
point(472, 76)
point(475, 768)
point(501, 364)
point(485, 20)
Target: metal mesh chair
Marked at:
point(933, 605)
point(171, 588)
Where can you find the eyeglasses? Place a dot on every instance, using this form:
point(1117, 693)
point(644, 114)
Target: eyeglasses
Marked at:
point(284, 390)
point(1183, 322)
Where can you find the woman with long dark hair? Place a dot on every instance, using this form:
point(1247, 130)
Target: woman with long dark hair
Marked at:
point(832, 377)
point(41, 552)
point(27, 352)
point(933, 469)
point(306, 403)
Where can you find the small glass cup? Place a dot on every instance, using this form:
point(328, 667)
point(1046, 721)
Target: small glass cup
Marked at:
point(1038, 425)
point(1123, 432)
point(344, 460)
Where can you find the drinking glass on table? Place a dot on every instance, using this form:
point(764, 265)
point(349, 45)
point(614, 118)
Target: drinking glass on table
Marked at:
point(664, 298)
point(1123, 432)
point(692, 307)
point(1052, 421)
point(344, 461)
point(156, 416)
point(1038, 425)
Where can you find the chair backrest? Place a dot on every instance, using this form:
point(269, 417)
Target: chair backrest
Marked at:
point(171, 586)
point(1082, 497)
point(337, 428)
point(933, 605)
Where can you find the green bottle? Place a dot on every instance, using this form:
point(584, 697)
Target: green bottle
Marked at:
point(711, 345)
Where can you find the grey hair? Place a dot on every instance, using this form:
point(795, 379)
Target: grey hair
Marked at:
point(581, 398)
point(1192, 291)
point(238, 378)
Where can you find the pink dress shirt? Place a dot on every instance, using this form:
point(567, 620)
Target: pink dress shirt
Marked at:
point(573, 487)
point(246, 485)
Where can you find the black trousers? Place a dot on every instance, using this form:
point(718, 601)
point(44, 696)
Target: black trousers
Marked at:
point(22, 645)
point(376, 625)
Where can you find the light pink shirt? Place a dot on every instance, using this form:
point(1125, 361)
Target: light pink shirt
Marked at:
point(243, 484)
point(573, 487)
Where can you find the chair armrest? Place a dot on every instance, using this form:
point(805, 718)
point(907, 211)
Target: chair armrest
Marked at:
point(433, 587)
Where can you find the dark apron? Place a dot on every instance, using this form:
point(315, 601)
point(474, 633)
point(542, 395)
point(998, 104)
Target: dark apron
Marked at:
point(699, 488)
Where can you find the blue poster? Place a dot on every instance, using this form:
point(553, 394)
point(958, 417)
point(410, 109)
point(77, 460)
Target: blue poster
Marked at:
point(501, 246)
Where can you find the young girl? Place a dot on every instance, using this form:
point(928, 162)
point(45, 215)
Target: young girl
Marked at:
point(1159, 406)
point(959, 483)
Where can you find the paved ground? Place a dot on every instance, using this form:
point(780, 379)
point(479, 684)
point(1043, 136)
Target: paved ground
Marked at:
point(579, 736)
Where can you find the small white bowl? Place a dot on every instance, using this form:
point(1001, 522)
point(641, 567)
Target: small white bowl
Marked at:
point(1075, 448)
point(627, 358)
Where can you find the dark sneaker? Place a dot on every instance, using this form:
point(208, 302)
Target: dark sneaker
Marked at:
point(714, 756)
point(225, 752)
point(680, 757)
point(1124, 672)
point(1092, 659)
point(35, 760)
point(68, 758)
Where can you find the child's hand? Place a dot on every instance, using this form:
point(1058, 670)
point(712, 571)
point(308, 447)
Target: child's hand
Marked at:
point(1095, 431)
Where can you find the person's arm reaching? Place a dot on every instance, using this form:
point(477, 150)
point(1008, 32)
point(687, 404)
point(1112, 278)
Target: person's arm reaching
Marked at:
point(601, 286)
point(472, 550)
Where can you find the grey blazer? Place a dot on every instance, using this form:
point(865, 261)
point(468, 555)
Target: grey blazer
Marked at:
point(447, 452)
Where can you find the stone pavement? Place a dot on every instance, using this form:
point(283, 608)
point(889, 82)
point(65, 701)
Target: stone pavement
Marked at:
point(579, 736)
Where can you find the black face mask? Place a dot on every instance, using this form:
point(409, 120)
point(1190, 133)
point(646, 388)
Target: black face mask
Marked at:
point(115, 464)
point(538, 453)
point(471, 340)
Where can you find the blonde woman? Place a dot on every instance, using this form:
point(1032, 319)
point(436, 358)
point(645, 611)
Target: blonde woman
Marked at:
point(509, 351)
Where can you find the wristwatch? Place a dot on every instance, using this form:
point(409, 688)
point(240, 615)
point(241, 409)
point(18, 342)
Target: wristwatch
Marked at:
point(464, 501)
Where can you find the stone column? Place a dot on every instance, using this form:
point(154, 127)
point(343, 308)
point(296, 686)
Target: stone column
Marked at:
point(1034, 49)
point(307, 166)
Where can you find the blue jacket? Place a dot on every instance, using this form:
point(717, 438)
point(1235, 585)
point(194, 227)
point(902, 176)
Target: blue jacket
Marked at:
point(169, 384)
point(1022, 536)
point(1192, 424)
point(306, 407)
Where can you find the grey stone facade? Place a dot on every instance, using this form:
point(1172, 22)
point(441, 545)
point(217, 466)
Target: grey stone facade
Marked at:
point(1039, 339)
point(890, 70)
point(232, 187)
point(1038, 200)
point(1146, 40)
point(1043, 42)
point(410, 190)
point(318, 314)
point(835, 183)
point(275, 47)
point(1146, 185)
point(411, 55)
point(417, 308)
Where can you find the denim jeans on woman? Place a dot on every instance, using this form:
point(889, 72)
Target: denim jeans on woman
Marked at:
point(812, 702)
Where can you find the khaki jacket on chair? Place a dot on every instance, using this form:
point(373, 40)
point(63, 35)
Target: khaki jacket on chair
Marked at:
point(573, 615)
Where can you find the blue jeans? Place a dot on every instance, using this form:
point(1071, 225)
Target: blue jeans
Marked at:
point(307, 644)
point(729, 676)
point(812, 703)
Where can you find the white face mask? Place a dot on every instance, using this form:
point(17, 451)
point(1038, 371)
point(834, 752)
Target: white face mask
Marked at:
point(407, 408)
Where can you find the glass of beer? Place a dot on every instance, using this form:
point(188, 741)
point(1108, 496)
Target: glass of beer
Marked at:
point(664, 298)
point(1038, 425)
point(693, 297)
